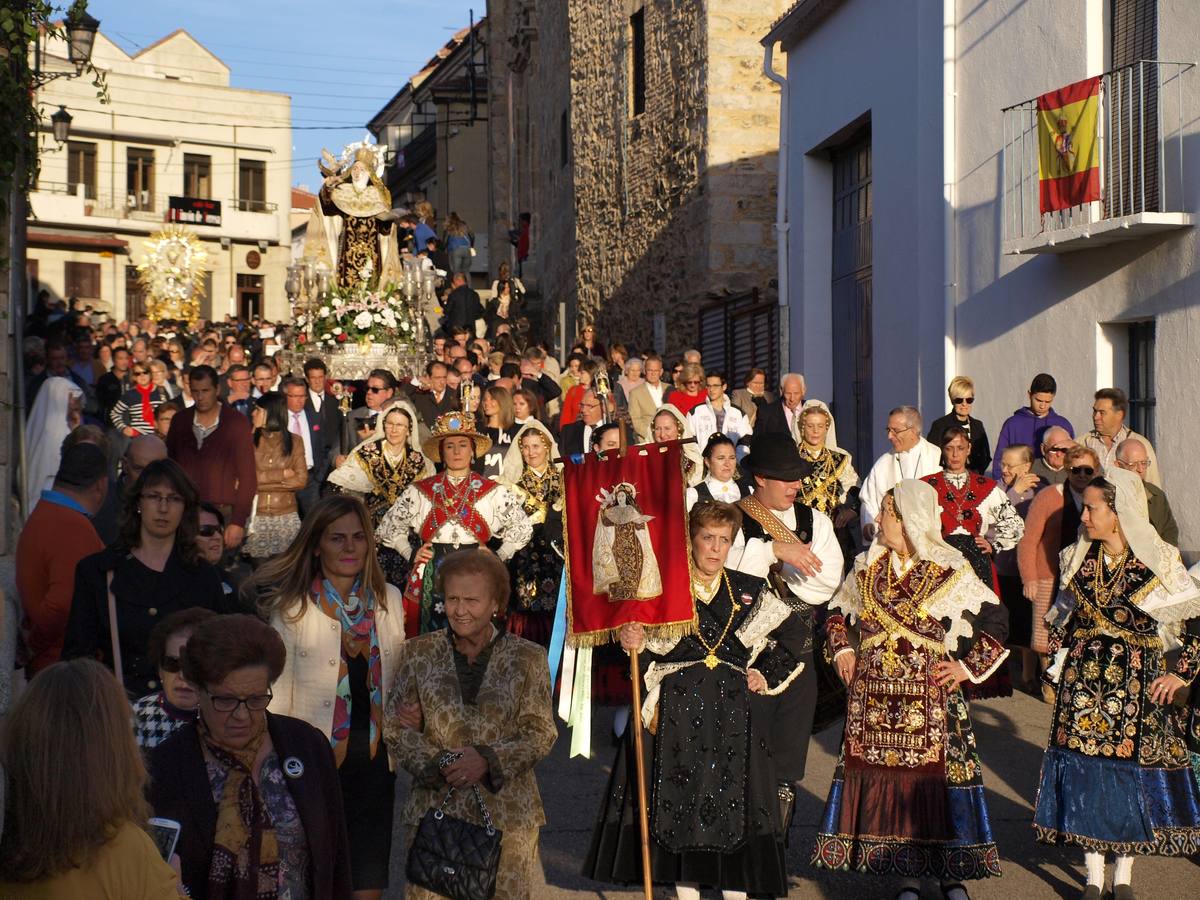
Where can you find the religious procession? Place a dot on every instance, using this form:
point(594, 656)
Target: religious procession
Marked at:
point(525, 555)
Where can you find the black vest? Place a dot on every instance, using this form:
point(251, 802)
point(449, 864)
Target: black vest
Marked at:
point(703, 492)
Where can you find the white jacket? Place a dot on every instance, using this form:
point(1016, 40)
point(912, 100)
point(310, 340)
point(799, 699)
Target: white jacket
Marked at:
point(307, 688)
point(704, 425)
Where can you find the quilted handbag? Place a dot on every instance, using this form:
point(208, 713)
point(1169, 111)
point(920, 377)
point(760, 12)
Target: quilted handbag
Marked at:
point(455, 858)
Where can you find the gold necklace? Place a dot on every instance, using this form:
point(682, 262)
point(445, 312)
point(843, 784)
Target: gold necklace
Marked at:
point(711, 660)
point(1104, 591)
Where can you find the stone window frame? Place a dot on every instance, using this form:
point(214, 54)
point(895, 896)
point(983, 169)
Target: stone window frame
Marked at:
point(632, 8)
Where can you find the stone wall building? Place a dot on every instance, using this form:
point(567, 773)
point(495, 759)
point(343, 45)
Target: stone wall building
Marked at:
point(643, 138)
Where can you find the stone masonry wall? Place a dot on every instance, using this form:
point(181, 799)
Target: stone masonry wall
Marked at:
point(676, 205)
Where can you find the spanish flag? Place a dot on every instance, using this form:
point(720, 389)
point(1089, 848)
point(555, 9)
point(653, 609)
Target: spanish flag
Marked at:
point(1068, 150)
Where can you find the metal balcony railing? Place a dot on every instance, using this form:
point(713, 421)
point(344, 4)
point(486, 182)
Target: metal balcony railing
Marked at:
point(244, 204)
point(1140, 132)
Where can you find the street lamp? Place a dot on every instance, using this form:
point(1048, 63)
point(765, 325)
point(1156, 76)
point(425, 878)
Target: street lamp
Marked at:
point(61, 123)
point(81, 35)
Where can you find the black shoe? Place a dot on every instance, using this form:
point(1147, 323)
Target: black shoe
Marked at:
point(1091, 892)
point(1122, 892)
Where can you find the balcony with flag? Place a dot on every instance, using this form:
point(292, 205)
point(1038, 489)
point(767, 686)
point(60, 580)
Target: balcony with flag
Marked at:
point(1097, 161)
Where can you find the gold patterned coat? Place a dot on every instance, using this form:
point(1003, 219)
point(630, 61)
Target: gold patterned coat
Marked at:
point(512, 717)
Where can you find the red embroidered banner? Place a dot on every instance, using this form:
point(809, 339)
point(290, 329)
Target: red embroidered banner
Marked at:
point(627, 544)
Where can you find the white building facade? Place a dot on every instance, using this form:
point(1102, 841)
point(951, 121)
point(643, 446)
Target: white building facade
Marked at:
point(912, 241)
point(176, 144)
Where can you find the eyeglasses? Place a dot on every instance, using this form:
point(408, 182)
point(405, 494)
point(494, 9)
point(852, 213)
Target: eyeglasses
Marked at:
point(1085, 471)
point(226, 704)
point(1136, 466)
point(966, 400)
point(170, 664)
point(898, 431)
point(208, 530)
point(691, 382)
point(162, 499)
point(137, 372)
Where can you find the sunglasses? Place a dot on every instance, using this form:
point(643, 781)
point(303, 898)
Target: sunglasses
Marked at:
point(966, 400)
point(209, 530)
point(1057, 449)
point(375, 390)
point(1085, 471)
point(170, 664)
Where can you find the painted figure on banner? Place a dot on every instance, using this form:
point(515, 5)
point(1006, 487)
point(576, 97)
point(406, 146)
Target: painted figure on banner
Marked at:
point(623, 562)
point(352, 227)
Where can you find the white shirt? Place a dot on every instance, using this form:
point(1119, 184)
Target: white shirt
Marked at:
point(890, 469)
point(725, 491)
point(298, 425)
point(317, 399)
point(756, 556)
point(657, 392)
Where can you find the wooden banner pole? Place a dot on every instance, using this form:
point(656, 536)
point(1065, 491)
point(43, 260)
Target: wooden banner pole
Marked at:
point(635, 722)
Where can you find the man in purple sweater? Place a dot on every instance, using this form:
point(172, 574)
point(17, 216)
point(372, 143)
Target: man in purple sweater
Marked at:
point(1029, 423)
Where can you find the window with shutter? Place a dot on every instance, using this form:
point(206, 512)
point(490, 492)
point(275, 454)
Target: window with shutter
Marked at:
point(82, 280)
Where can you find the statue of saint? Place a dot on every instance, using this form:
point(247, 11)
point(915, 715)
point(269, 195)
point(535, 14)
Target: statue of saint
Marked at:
point(353, 222)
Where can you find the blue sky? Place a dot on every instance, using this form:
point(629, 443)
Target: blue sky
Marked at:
point(340, 62)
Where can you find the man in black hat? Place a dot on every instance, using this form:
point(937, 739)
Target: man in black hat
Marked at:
point(796, 549)
point(57, 534)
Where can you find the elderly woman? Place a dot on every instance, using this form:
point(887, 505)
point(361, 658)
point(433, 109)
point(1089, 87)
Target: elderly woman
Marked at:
point(709, 750)
point(158, 715)
point(154, 569)
point(531, 472)
point(1020, 486)
point(485, 698)
point(669, 424)
point(342, 626)
point(1052, 523)
point(907, 795)
point(832, 485)
point(256, 793)
point(631, 376)
point(1116, 775)
point(75, 796)
point(380, 468)
point(691, 391)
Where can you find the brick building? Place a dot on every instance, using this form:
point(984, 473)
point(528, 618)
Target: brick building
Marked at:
point(642, 137)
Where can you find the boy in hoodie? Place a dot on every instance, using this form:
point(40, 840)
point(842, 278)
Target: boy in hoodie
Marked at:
point(1029, 423)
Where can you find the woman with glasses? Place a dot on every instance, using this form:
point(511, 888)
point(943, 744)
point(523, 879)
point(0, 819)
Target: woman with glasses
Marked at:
point(133, 414)
point(342, 625)
point(962, 401)
point(588, 346)
point(159, 714)
point(1051, 524)
point(691, 393)
point(152, 570)
point(160, 375)
point(255, 792)
point(1116, 777)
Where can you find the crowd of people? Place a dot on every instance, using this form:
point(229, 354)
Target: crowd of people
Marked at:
point(248, 602)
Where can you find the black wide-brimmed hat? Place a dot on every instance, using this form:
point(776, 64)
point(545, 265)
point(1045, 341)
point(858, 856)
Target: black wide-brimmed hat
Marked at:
point(775, 456)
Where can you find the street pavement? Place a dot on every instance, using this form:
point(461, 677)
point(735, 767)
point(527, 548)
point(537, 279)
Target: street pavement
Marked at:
point(1011, 734)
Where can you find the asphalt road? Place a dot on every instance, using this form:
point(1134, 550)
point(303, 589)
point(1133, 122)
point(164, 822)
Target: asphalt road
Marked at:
point(1011, 734)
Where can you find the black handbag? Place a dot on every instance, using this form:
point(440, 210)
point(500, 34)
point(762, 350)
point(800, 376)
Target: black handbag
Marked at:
point(455, 858)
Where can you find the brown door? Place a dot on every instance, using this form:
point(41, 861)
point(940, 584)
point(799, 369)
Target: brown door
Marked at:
point(249, 296)
point(135, 297)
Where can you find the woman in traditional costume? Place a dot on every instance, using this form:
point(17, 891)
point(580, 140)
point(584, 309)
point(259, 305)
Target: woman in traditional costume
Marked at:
point(832, 485)
point(531, 472)
point(978, 520)
point(720, 466)
point(907, 795)
point(669, 424)
point(1116, 775)
point(714, 812)
point(380, 468)
point(453, 509)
